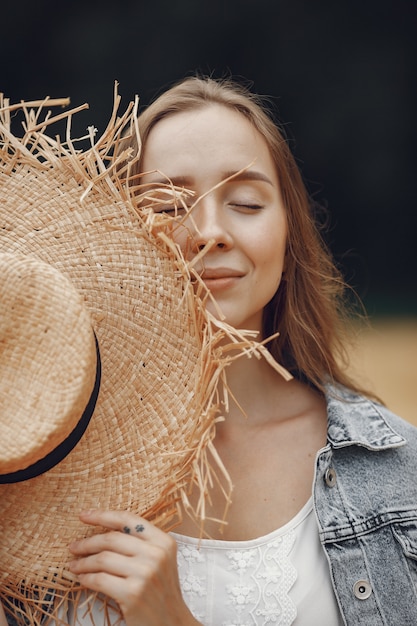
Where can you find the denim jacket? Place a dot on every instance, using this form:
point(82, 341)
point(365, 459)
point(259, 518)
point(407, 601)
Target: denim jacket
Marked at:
point(365, 497)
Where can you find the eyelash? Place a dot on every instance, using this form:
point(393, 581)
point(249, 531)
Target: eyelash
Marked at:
point(252, 207)
point(179, 210)
point(238, 205)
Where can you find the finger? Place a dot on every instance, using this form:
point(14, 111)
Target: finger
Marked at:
point(107, 584)
point(113, 564)
point(112, 541)
point(125, 522)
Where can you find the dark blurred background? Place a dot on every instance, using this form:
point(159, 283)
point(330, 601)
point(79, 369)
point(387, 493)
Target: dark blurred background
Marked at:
point(341, 77)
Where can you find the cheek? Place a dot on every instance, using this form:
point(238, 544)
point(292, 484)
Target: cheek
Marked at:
point(180, 235)
point(273, 266)
point(271, 252)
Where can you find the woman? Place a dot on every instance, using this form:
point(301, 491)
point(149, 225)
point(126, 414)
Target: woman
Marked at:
point(322, 490)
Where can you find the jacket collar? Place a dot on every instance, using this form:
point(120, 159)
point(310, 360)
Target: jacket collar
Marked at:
point(356, 420)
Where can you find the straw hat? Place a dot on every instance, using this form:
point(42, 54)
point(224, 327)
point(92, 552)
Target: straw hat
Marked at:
point(89, 285)
point(47, 347)
point(84, 261)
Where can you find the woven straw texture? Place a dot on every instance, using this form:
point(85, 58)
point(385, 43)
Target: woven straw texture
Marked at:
point(47, 343)
point(151, 433)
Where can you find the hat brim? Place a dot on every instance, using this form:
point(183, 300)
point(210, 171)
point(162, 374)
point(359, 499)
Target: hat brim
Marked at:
point(163, 355)
point(154, 415)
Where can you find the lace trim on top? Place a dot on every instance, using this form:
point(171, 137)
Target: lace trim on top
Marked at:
point(241, 583)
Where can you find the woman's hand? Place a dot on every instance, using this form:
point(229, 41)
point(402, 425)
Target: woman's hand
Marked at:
point(135, 564)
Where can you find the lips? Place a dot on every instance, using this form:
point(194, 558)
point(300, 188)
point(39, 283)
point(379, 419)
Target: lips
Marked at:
point(217, 279)
point(220, 272)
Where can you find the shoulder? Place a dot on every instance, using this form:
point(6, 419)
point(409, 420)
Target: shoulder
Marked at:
point(373, 452)
point(402, 426)
point(357, 419)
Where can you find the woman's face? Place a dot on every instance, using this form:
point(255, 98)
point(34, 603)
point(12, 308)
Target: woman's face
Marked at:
point(244, 217)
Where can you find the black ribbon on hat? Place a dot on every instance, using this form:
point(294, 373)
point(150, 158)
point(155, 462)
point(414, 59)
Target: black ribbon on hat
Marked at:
point(64, 448)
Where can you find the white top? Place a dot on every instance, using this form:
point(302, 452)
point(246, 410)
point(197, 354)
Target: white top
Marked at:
point(280, 579)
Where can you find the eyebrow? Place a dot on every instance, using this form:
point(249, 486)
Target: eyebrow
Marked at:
point(248, 175)
point(232, 176)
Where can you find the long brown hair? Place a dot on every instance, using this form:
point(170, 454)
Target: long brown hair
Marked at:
point(308, 309)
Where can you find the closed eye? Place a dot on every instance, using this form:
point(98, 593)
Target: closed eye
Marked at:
point(166, 199)
point(171, 210)
point(247, 206)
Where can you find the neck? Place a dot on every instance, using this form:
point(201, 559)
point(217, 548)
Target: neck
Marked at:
point(259, 395)
point(252, 387)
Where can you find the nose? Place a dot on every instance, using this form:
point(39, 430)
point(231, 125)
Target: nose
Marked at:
point(210, 225)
